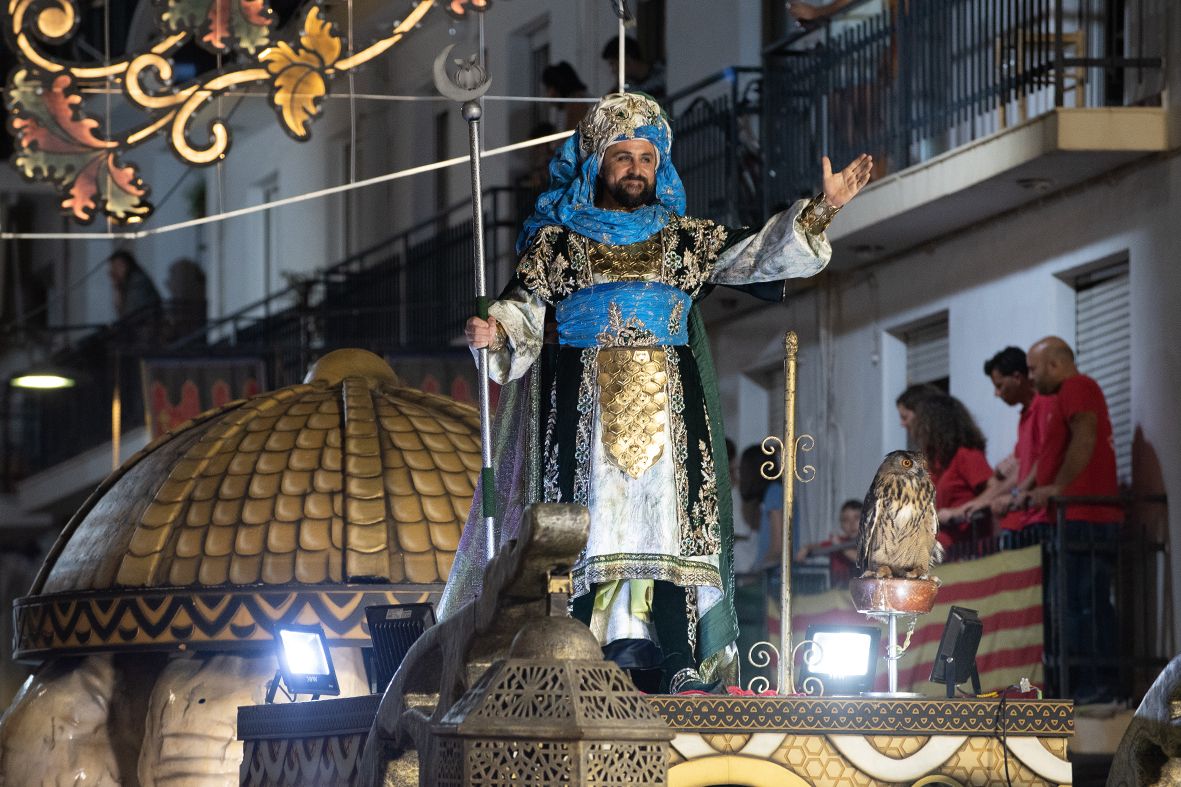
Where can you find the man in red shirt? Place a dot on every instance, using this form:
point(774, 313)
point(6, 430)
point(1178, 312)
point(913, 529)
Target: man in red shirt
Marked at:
point(1078, 455)
point(1078, 459)
point(1009, 374)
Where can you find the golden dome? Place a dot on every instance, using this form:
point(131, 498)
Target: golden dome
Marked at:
point(346, 480)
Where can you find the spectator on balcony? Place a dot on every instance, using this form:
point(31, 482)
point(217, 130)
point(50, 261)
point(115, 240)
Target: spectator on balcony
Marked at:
point(946, 432)
point(908, 401)
point(841, 547)
point(1078, 456)
point(1078, 460)
point(136, 299)
point(186, 302)
point(643, 75)
point(560, 80)
point(1009, 374)
point(133, 290)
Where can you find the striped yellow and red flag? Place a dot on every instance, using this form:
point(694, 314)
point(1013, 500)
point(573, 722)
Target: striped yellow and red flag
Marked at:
point(1005, 589)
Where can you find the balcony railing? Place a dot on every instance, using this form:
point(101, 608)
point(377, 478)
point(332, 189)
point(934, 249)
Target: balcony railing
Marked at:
point(715, 124)
point(409, 293)
point(925, 76)
point(1106, 615)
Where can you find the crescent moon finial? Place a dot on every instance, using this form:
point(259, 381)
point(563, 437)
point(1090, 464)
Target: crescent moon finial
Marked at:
point(469, 83)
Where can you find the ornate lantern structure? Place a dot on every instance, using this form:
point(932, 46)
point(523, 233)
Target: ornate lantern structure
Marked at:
point(552, 713)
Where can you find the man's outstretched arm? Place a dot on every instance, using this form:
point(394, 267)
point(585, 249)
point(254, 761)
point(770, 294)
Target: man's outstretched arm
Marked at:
point(792, 244)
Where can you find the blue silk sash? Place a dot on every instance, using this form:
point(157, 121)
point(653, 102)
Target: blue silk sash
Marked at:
point(624, 314)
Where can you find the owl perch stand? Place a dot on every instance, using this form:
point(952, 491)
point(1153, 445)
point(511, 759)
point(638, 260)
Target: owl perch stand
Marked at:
point(891, 600)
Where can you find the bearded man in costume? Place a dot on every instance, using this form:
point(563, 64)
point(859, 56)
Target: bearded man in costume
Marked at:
point(619, 411)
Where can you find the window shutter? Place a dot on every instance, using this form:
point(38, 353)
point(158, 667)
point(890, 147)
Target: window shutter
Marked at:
point(1103, 331)
point(927, 353)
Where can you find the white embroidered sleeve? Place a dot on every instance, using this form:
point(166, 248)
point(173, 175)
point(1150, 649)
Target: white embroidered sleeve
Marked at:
point(780, 250)
point(523, 317)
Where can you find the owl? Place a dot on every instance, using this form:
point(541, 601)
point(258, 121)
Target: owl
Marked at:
point(898, 520)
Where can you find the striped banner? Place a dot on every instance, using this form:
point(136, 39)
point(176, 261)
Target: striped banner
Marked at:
point(1005, 589)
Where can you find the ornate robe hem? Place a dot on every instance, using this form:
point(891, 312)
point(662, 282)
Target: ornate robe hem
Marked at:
point(666, 568)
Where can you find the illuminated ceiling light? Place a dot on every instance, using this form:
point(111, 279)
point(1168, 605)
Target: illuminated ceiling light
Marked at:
point(42, 381)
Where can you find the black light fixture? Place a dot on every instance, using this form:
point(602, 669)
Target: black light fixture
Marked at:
point(305, 663)
point(394, 628)
point(955, 662)
point(844, 658)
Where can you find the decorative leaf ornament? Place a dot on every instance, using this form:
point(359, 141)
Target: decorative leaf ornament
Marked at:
point(223, 24)
point(299, 74)
point(58, 142)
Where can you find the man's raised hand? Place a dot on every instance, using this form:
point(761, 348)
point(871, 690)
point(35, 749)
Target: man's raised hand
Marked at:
point(840, 187)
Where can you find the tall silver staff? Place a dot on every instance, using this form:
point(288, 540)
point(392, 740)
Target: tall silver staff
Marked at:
point(466, 87)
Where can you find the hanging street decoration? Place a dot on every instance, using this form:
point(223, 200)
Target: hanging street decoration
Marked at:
point(54, 106)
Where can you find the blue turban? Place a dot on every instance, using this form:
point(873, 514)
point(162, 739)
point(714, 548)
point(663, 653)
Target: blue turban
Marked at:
point(569, 200)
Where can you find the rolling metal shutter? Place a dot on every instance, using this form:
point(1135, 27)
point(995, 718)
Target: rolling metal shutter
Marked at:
point(1103, 331)
point(926, 353)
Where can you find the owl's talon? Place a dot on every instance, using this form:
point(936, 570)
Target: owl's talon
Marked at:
point(884, 572)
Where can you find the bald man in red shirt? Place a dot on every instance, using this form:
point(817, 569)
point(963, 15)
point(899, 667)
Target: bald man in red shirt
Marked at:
point(1078, 460)
point(1078, 454)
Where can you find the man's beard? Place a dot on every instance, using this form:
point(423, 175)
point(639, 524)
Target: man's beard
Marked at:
point(630, 200)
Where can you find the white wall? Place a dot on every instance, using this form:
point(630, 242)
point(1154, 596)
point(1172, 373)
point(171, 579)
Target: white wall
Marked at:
point(700, 44)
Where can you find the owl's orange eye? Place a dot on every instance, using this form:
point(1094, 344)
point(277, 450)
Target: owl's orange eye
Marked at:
point(907, 463)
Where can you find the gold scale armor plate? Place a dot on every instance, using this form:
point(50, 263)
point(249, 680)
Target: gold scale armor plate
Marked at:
point(633, 380)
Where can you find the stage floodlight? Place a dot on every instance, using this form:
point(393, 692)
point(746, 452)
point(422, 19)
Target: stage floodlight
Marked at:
point(394, 628)
point(844, 658)
point(955, 661)
point(305, 662)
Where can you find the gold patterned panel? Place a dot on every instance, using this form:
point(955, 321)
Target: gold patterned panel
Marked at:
point(68, 624)
point(814, 759)
point(728, 743)
point(979, 759)
point(1055, 746)
point(633, 404)
point(897, 746)
point(634, 262)
point(980, 754)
